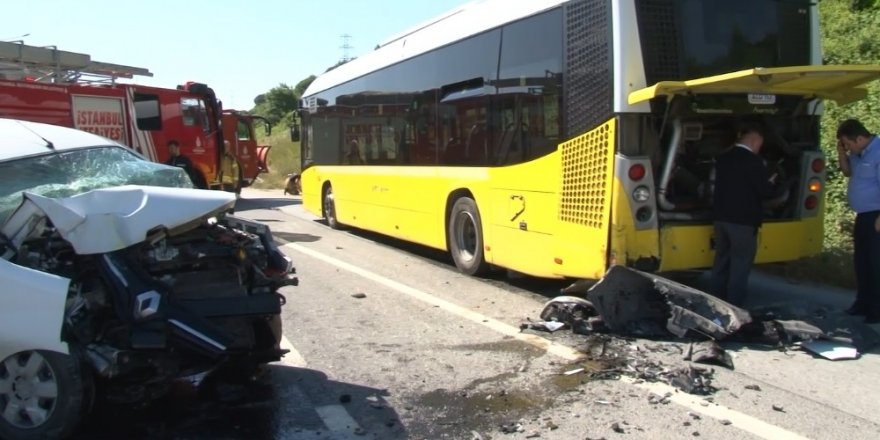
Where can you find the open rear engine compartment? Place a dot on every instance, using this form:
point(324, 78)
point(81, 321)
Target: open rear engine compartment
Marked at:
point(683, 138)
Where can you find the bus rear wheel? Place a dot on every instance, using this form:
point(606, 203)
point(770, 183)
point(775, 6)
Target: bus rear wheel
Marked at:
point(329, 208)
point(465, 236)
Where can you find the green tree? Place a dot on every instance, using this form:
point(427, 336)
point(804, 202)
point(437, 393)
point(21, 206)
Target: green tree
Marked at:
point(301, 87)
point(849, 30)
point(281, 101)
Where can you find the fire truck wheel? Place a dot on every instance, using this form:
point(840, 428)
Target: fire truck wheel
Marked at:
point(329, 208)
point(43, 395)
point(465, 237)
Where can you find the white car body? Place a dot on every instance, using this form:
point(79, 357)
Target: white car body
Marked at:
point(106, 220)
point(116, 271)
point(99, 221)
point(31, 310)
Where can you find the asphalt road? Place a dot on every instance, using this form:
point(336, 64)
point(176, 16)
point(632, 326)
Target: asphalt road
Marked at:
point(389, 341)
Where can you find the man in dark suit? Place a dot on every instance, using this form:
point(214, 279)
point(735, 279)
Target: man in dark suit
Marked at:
point(178, 160)
point(741, 186)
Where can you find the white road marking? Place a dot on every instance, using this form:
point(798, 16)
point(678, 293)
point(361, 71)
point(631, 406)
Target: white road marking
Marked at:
point(338, 421)
point(335, 417)
point(292, 358)
point(742, 421)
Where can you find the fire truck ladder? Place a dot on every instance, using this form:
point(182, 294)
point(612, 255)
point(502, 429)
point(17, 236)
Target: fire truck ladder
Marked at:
point(19, 61)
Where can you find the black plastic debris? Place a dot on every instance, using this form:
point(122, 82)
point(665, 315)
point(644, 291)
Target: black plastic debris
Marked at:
point(642, 304)
point(567, 308)
point(692, 380)
point(512, 428)
point(709, 352)
point(798, 330)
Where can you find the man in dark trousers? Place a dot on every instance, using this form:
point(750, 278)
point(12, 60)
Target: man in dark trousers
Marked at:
point(858, 152)
point(181, 161)
point(741, 186)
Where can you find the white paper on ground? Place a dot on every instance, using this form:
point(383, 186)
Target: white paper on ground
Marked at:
point(831, 350)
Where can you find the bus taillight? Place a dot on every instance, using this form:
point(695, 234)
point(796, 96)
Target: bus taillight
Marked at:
point(811, 203)
point(818, 165)
point(637, 172)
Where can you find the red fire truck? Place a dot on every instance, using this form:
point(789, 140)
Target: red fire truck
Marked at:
point(44, 84)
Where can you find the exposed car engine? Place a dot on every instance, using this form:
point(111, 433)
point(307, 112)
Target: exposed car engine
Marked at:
point(171, 306)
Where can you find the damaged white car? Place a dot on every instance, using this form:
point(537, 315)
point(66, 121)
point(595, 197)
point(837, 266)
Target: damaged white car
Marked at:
point(118, 276)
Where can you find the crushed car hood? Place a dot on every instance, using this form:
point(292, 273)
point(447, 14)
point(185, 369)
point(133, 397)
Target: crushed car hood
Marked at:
point(106, 220)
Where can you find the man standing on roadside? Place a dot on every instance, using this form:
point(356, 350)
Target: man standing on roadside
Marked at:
point(741, 186)
point(858, 152)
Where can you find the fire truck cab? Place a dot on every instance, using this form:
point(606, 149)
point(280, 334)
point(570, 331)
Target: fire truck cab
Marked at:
point(69, 89)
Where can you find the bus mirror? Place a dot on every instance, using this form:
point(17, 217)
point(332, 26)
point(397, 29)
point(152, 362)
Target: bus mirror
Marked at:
point(294, 133)
point(268, 128)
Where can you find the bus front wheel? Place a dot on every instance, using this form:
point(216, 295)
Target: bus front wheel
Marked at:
point(330, 209)
point(465, 236)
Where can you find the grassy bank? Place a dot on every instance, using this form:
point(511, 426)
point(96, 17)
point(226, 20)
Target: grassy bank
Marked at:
point(283, 157)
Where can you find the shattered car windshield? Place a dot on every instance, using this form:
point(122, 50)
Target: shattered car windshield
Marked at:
point(68, 173)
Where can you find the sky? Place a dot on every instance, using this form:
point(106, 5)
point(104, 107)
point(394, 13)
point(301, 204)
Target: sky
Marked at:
point(240, 49)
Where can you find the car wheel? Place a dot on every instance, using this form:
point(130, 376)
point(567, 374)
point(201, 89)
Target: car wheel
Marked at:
point(465, 235)
point(43, 395)
point(330, 209)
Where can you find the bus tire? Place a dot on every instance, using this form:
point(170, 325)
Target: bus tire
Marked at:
point(329, 208)
point(465, 235)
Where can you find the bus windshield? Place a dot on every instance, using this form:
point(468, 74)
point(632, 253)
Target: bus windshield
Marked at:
point(684, 39)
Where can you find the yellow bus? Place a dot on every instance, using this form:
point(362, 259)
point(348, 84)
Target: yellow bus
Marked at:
point(558, 138)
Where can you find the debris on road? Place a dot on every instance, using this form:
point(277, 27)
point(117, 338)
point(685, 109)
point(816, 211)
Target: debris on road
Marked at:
point(617, 428)
point(547, 326)
point(628, 302)
point(692, 380)
point(753, 387)
point(575, 371)
point(778, 408)
point(642, 304)
point(831, 350)
point(359, 295)
point(512, 428)
point(709, 352)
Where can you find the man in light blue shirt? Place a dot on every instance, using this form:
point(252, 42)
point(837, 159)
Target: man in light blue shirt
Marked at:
point(859, 155)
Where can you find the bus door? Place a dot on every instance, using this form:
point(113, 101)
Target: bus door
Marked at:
point(524, 182)
point(239, 130)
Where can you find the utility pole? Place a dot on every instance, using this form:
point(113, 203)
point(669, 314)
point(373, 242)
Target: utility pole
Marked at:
point(346, 47)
